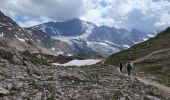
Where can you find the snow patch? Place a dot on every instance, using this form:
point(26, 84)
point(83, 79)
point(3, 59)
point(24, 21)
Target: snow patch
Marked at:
point(126, 46)
point(69, 55)
point(150, 35)
point(144, 39)
point(60, 52)
point(2, 34)
point(20, 39)
point(64, 39)
point(10, 28)
point(79, 62)
point(43, 28)
point(101, 44)
point(88, 30)
point(29, 32)
point(53, 48)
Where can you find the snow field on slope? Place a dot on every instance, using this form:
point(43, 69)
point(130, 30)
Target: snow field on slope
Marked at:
point(80, 62)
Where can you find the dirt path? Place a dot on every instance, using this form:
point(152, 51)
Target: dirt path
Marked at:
point(147, 56)
point(164, 89)
point(103, 61)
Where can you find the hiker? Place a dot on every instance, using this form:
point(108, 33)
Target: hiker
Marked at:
point(129, 68)
point(121, 66)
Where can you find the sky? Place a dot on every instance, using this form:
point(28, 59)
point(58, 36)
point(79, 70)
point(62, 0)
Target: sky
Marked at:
point(145, 15)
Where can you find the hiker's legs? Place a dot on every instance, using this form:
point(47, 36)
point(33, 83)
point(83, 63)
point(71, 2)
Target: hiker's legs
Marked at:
point(121, 69)
point(129, 72)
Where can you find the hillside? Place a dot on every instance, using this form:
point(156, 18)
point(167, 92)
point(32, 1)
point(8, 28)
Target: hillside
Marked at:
point(159, 42)
point(12, 35)
point(151, 58)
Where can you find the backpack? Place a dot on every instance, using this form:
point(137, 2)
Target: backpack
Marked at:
point(130, 66)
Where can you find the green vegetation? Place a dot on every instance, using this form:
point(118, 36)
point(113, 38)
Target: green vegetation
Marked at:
point(158, 68)
point(140, 50)
point(157, 65)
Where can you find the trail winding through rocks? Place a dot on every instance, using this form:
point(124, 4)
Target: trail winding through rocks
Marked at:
point(165, 90)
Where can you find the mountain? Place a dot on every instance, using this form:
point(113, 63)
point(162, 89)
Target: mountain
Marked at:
point(69, 28)
point(73, 37)
point(102, 40)
point(141, 36)
point(149, 57)
point(12, 35)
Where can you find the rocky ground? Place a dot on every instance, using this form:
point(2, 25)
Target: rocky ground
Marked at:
point(42, 82)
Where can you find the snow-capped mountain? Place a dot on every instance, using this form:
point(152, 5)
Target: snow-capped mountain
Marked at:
point(139, 36)
point(84, 36)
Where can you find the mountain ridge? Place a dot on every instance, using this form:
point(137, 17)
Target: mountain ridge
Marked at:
point(108, 39)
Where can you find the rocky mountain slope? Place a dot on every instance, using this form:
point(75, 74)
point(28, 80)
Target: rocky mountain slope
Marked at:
point(16, 37)
point(151, 58)
point(35, 41)
point(103, 40)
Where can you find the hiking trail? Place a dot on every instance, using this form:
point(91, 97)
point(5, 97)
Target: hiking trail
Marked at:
point(165, 90)
point(155, 84)
point(147, 56)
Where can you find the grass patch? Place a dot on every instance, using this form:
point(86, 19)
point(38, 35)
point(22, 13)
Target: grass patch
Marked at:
point(140, 50)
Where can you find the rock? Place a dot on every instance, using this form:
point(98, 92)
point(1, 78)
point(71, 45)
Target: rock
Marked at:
point(122, 98)
point(19, 98)
point(17, 60)
point(149, 97)
point(38, 96)
point(6, 53)
point(31, 69)
point(20, 77)
point(4, 61)
point(19, 85)
point(9, 86)
point(3, 91)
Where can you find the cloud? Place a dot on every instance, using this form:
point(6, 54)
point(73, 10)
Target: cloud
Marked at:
point(145, 15)
point(29, 23)
point(59, 10)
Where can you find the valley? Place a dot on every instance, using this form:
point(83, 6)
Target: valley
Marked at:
point(71, 61)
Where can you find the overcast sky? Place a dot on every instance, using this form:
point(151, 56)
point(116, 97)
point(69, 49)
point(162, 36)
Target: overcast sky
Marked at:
point(145, 15)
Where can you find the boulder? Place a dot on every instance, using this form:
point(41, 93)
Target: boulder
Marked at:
point(31, 69)
point(3, 91)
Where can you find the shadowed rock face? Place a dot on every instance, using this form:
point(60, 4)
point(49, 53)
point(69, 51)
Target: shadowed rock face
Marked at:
point(10, 54)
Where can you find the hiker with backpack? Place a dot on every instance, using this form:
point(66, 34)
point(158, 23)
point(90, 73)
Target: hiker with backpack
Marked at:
point(129, 68)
